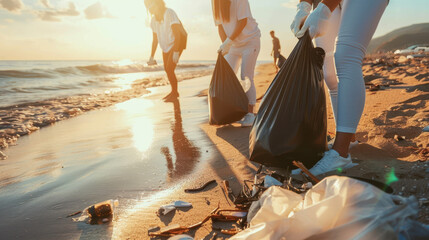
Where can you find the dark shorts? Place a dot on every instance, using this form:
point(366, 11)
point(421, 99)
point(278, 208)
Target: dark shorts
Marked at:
point(276, 54)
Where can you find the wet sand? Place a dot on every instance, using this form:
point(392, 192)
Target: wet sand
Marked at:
point(130, 151)
point(398, 109)
point(23, 119)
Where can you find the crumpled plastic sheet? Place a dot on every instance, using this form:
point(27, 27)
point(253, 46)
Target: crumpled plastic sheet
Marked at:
point(336, 208)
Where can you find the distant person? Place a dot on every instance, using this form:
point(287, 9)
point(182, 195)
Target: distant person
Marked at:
point(344, 31)
point(240, 37)
point(168, 32)
point(276, 49)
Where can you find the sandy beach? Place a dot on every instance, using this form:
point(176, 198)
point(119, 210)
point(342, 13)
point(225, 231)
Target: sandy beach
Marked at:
point(196, 153)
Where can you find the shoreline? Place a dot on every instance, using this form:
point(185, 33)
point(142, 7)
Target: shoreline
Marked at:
point(26, 118)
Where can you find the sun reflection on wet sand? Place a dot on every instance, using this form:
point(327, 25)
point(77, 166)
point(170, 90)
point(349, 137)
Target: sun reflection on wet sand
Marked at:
point(141, 127)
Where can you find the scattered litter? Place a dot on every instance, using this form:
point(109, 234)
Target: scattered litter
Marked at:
point(202, 187)
point(270, 181)
point(163, 210)
point(426, 129)
point(2, 156)
point(398, 138)
point(374, 88)
point(181, 237)
point(176, 229)
point(336, 208)
point(74, 214)
point(153, 228)
point(98, 213)
point(228, 191)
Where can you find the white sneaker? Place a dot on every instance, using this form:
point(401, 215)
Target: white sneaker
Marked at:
point(352, 144)
point(248, 120)
point(332, 161)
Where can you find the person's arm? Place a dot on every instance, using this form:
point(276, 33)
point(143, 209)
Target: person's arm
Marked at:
point(154, 45)
point(241, 24)
point(222, 33)
point(177, 38)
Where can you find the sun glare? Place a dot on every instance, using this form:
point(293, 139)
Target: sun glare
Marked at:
point(141, 125)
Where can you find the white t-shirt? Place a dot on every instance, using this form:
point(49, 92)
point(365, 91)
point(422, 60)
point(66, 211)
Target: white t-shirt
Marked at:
point(240, 9)
point(163, 29)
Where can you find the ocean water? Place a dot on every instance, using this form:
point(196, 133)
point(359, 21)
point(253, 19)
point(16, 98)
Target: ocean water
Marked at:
point(32, 81)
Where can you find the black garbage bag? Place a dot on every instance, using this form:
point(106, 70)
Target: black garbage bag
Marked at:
point(292, 122)
point(227, 100)
point(281, 61)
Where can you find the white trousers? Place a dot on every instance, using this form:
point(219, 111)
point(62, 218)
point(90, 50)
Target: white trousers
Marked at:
point(354, 25)
point(247, 54)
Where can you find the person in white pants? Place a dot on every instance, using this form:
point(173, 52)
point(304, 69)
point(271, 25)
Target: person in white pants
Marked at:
point(240, 37)
point(352, 24)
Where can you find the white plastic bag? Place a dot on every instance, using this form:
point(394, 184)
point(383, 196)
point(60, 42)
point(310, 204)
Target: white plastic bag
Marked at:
point(335, 208)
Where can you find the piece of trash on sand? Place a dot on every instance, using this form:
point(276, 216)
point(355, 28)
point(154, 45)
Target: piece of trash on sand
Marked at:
point(398, 138)
point(181, 237)
point(426, 129)
point(202, 187)
point(172, 206)
point(270, 181)
point(98, 213)
point(2, 156)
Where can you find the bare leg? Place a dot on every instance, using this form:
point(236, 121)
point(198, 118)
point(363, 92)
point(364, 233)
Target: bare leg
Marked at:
point(275, 64)
point(170, 67)
point(342, 142)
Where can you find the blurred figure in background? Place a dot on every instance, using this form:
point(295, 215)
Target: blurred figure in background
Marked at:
point(276, 49)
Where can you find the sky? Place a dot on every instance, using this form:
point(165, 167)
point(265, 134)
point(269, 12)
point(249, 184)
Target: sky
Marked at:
point(114, 30)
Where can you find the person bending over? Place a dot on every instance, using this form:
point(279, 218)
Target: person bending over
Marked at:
point(166, 28)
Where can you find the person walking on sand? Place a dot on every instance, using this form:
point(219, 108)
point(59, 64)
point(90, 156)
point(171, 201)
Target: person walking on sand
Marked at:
point(168, 32)
point(343, 29)
point(276, 49)
point(240, 37)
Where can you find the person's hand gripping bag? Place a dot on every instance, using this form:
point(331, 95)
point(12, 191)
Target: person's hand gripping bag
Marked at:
point(292, 122)
point(227, 100)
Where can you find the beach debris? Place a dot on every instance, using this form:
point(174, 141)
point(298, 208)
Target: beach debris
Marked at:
point(231, 231)
point(101, 212)
point(374, 87)
point(270, 181)
point(2, 156)
point(74, 214)
point(423, 202)
point(181, 237)
point(398, 138)
point(202, 187)
point(226, 215)
point(163, 210)
point(176, 229)
point(228, 191)
point(306, 171)
point(426, 129)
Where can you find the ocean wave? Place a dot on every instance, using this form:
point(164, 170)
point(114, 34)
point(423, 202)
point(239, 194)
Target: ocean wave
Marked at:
point(95, 69)
point(23, 74)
